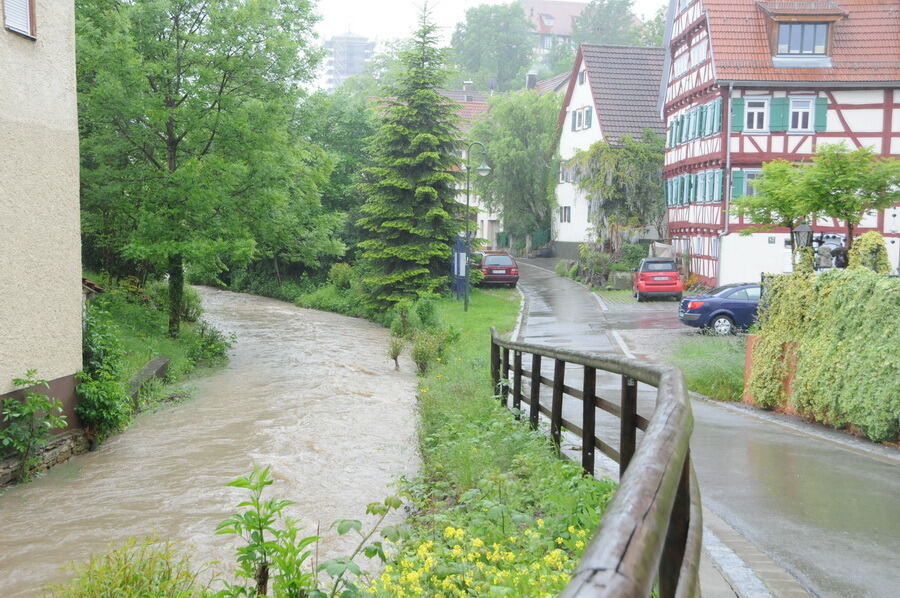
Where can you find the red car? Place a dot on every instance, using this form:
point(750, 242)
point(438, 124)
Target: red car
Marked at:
point(498, 268)
point(657, 277)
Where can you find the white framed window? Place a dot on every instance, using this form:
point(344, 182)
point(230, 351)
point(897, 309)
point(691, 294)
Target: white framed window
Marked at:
point(756, 115)
point(801, 117)
point(701, 187)
point(802, 38)
point(582, 118)
point(749, 176)
point(579, 120)
point(698, 51)
point(565, 214)
point(18, 16)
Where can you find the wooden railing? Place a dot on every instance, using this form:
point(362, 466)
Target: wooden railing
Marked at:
point(651, 531)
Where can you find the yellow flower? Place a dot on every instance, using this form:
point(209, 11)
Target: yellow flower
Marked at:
point(439, 358)
point(540, 522)
point(559, 541)
point(439, 376)
point(571, 529)
point(579, 544)
point(477, 542)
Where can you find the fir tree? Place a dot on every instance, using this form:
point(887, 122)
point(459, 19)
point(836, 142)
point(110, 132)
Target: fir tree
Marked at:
point(410, 217)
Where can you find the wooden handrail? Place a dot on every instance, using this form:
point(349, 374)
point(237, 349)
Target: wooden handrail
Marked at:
point(652, 529)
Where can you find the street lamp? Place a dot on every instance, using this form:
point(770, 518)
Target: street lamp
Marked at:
point(802, 238)
point(482, 170)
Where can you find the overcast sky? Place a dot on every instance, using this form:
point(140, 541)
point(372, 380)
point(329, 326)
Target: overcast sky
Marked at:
point(383, 20)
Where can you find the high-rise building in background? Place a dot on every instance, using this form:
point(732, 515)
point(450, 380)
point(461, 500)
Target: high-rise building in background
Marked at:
point(347, 55)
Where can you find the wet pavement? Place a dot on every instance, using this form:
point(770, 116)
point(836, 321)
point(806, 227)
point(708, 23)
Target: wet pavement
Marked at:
point(824, 512)
point(311, 394)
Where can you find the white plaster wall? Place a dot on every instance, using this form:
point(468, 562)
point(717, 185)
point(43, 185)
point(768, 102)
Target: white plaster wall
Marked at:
point(40, 247)
point(745, 258)
point(577, 230)
point(865, 120)
point(858, 96)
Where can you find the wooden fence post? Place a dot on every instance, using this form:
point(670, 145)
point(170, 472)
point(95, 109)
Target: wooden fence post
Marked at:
point(495, 366)
point(559, 380)
point(534, 408)
point(676, 536)
point(588, 415)
point(504, 379)
point(517, 383)
point(628, 428)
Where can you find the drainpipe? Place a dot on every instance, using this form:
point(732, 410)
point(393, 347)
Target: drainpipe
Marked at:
point(726, 192)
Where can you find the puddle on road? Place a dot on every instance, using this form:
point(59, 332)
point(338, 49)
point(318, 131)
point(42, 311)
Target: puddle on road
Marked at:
point(312, 394)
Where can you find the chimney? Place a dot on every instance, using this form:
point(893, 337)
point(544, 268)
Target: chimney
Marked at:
point(467, 86)
point(530, 80)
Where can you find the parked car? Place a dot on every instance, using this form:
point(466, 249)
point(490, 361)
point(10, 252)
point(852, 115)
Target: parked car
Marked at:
point(656, 277)
point(722, 310)
point(498, 267)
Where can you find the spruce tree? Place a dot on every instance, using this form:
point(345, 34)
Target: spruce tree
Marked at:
point(410, 216)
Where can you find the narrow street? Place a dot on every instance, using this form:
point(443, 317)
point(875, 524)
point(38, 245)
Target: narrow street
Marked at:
point(311, 394)
point(788, 509)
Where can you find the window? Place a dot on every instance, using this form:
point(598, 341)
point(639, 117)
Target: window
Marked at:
point(19, 16)
point(698, 51)
point(498, 260)
point(547, 42)
point(581, 77)
point(756, 115)
point(565, 214)
point(581, 118)
point(802, 38)
point(801, 114)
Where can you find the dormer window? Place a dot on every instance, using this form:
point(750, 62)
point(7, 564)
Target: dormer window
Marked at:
point(802, 38)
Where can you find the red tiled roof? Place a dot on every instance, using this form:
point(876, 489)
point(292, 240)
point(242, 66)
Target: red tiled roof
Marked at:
point(563, 15)
point(469, 113)
point(555, 83)
point(865, 43)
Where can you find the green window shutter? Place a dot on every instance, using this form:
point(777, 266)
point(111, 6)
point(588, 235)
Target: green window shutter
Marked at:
point(718, 186)
point(737, 114)
point(737, 183)
point(705, 118)
point(692, 188)
point(587, 117)
point(717, 116)
point(711, 186)
point(684, 128)
point(682, 189)
point(778, 114)
point(695, 122)
point(821, 122)
point(573, 120)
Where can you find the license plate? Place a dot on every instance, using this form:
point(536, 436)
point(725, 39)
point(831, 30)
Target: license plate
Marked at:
point(660, 278)
point(498, 271)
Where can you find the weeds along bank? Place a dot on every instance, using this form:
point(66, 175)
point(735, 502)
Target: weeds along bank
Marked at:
point(124, 328)
point(493, 511)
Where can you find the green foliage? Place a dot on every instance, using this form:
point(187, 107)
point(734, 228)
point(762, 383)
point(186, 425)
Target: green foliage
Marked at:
point(573, 272)
point(632, 255)
point(520, 134)
point(778, 200)
point(476, 276)
point(608, 22)
point(103, 405)
point(712, 365)
point(846, 184)
point(29, 422)
point(869, 251)
point(410, 217)
point(395, 348)
point(652, 31)
point(562, 268)
point(158, 294)
point(494, 44)
point(208, 345)
point(623, 183)
point(339, 275)
point(187, 148)
point(134, 570)
point(425, 347)
point(271, 548)
point(838, 329)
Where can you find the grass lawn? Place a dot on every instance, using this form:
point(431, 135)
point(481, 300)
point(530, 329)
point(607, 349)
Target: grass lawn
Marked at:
point(496, 511)
point(712, 365)
point(616, 296)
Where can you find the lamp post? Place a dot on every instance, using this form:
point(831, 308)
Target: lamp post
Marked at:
point(483, 170)
point(802, 238)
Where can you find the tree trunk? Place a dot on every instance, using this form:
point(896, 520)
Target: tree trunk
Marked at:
point(849, 235)
point(176, 291)
point(277, 273)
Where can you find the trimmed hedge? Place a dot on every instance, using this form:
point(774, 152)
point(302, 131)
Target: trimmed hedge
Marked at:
point(841, 329)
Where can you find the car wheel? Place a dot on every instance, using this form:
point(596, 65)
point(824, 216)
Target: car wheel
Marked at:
point(640, 296)
point(722, 325)
point(678, 297)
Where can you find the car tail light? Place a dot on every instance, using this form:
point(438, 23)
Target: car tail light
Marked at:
point(514, 271)
point(695, 305)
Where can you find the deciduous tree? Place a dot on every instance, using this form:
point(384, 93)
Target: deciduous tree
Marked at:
point(778, 200)
point(495, 43)
point(606, 22)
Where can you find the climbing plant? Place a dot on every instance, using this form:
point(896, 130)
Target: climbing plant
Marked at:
point(837, 330)
point(870, 252)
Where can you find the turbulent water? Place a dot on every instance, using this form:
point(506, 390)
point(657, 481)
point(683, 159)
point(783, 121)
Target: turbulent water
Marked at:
point(312, 394)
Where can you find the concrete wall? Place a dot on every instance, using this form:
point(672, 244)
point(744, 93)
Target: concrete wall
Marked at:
point(745, 258)
point(40, 247)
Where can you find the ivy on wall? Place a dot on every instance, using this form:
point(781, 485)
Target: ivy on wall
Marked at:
point(840, 329)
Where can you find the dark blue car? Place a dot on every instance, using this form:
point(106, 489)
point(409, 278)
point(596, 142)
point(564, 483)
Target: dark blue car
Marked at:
point(723, 309)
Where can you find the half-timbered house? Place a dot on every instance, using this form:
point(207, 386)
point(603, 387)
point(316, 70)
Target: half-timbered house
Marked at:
point(749, 81)
point(611, 94)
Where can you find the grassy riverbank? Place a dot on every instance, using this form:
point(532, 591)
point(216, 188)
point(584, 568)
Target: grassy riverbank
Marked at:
point(496, 512)
point(712, 365)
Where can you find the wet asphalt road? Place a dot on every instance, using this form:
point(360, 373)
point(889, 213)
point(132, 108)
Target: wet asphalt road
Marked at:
point(827, 514)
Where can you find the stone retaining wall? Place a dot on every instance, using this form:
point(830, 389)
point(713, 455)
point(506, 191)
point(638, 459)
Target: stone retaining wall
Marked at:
point(60, 449)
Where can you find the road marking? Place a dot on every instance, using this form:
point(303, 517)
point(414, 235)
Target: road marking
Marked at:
point(622, 345)
point(600, 300)
point(515, 333)
point(739, 575)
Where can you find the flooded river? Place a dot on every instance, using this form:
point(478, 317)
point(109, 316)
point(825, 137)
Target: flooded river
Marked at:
point(312, 394)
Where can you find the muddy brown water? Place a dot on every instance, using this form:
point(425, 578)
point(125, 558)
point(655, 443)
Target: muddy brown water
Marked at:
point(311, 394)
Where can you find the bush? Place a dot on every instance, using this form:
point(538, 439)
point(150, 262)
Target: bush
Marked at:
point(191, 306)
point(712, 366)
point(340, 275)
point(562, 268)
point(103, 404)
point(426, 346)
point(869, 251)
point(632, 255)
point(573, 272)
point(134, 570)
point(208, 345)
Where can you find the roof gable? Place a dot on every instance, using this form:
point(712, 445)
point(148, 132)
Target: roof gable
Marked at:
point(865, 42)
point(624, 82)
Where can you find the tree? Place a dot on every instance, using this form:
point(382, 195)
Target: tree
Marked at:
point(624, 185)
point(606, 22)
point(494, 43)
point(184, 107)
point(651, 32)
point(410, 216)
point(846, 184)
point(778, 199)
point(519, 133)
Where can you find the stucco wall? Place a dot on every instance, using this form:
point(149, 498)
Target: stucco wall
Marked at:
point(746, 258)
point(40, 261)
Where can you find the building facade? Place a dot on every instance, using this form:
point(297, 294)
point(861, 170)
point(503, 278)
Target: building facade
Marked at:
point(611, 93)
point(346, 55)
point(40, 246)
point(551, 21)
point(750, 81)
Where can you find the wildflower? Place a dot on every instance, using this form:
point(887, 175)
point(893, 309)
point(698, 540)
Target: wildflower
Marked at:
point(540, 522)
point(579, 544)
